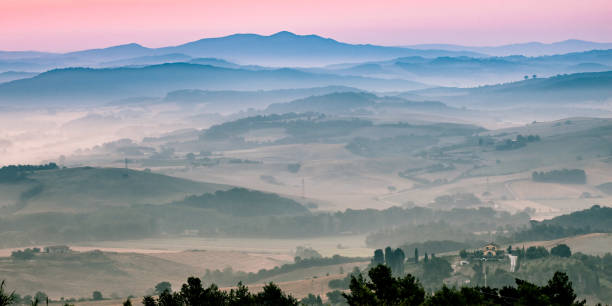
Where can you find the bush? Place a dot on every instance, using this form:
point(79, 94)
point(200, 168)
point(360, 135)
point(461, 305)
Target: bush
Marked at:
point(5, 297)
point(293, 168)
point(162, 287)
point(561, 250)
point(24, 255)
point(97, 296)
point(335, 298)
point(536, 252)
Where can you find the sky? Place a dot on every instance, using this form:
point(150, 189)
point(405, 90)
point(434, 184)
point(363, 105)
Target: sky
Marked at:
point(67, 25)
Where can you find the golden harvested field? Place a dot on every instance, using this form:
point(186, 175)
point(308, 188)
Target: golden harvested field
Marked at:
point(238, 260)
point(594, 244)
point(298, 289)
point(345, 245)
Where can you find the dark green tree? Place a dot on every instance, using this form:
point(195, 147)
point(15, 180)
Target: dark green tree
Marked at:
point(360, 293)
point(398, 260)
point(163, 286)
point(312, 300)
point(97, 296)
point(241, 296)
point(561, 250)
point(272, 295)
point(166, 298)
point(192, 292)
point(384, 289)
point(436, 270)
point(379, 258)
point(536, 252)
point(388, 256)
point(41, 297)
point(5, 297)
point(335, 297)
point(148, 301)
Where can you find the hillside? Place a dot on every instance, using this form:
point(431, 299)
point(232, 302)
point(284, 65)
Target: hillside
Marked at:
point(81, 85)
point(245, 203)
point(526, 49)
point(230, 100)
point(562, 89)
point(124, 274)
point(15, 75)
point(596, 219)
point(79, 274)
point(347, 102)
point(477, 71)
point(86, 188)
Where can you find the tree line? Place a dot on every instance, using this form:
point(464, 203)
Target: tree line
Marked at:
point(14, 173)
point(380, 288)
point(383, 289)
point(564, 176)
point(228, 277)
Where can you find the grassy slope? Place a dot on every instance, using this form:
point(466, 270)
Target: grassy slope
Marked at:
point(79, 274)
point(77, 189)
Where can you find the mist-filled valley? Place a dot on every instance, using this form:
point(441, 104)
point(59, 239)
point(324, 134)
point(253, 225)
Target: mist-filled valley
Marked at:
point(311, 170)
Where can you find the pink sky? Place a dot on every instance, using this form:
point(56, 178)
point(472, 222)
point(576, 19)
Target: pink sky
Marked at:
point(63, 25)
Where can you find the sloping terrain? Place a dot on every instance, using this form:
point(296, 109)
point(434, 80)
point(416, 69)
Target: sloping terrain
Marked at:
point(570, 89)
point(87, 188)
point(85, 85)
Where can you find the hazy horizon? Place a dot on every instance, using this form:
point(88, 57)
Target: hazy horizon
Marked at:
point(50, 25)
point(402, 45)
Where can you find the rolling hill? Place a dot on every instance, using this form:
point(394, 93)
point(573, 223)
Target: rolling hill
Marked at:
point(82, 85)
point(346, 102)
point(558, 90)
point(86, 188)
point(527, 49)
point(470, 71)
point(230, 100)
point(15, 75)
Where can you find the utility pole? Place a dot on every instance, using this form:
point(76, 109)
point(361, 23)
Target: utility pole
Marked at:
point(126, 162)
point(484, 271)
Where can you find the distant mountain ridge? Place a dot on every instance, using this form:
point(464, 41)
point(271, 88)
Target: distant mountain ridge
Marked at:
point(526, 49)
point(469, 71)
point(280, 49)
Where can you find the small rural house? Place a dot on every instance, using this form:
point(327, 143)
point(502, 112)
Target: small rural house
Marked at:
point(57, 249)
point(490, 249)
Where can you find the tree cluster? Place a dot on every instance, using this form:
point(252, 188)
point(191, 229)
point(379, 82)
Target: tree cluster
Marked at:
point(384, 289)
point(394, 259)
point(25, 254)
point(193, 293)
point(519, 142)
point(229, 277)
point(13, 173)
point(564, 176)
